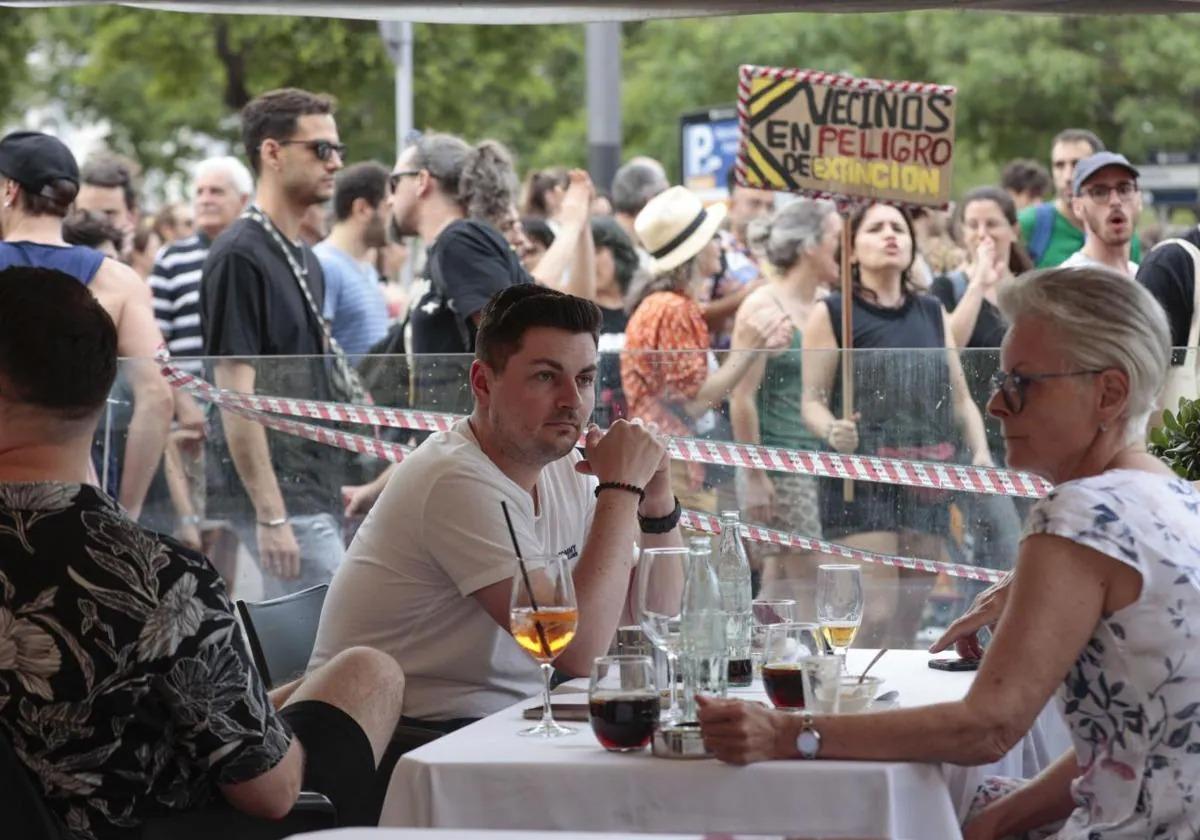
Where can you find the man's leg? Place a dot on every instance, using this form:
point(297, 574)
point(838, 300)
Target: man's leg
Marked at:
point(344, 713)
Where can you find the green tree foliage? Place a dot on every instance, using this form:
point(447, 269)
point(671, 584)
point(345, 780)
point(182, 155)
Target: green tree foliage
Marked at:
point(166, 81)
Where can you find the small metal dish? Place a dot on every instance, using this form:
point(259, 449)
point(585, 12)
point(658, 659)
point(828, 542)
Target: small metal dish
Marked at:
point(679, 740)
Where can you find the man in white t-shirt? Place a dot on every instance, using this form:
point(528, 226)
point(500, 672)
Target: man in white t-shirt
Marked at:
point(1106, 198)
point(428, 576)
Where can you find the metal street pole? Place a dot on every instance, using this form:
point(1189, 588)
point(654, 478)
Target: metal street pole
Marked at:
point(398, 37)
point(603, 42)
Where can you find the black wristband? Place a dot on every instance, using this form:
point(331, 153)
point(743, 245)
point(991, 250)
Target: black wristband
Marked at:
point(661, 524)
point(620, 485)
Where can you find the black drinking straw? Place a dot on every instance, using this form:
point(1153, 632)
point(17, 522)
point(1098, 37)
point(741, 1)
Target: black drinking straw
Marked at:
point(525, 576)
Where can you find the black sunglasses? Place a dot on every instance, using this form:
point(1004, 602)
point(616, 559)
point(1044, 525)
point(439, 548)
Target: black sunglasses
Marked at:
point(1013, 387)
point(394, 178)
point(323, 149)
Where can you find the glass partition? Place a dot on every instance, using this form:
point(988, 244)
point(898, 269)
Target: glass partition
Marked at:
point(921, 405)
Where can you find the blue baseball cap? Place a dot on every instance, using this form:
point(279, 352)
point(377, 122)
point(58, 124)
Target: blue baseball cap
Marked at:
point(1089, 166)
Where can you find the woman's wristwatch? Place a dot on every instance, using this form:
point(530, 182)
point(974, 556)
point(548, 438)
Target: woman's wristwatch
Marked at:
point(808, 742)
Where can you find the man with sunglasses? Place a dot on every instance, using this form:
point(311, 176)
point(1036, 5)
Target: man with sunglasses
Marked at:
point(1106, 198)
point(261, 294)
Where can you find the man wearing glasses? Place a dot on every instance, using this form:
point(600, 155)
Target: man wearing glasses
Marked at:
point(1106, 198)
point(261, 294)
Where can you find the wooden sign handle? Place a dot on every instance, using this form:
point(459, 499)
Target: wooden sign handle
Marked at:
point(847, 343)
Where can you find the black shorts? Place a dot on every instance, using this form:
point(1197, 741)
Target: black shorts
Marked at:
point(338, 759)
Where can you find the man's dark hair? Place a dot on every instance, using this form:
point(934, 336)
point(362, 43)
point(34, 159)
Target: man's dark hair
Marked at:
point(539, 230)
point(110, 170)
point(1079, 135)
point(367, 181)
point(57, 200)
point(1026, 176)
point(513, 311)
point(84, 227)
point(274, 116)
point(606, 233)
point(58, 347)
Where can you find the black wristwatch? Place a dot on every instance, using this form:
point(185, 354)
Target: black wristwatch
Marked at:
point(661, 524)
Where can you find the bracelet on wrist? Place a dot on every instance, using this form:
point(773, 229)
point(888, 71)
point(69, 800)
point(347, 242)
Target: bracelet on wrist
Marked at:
point(191, 519)
point(661, 524)
point(620, 485)
point(273, 523)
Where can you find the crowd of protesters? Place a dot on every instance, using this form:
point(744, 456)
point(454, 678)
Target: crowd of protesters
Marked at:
point(282, 276)
point(302, 255)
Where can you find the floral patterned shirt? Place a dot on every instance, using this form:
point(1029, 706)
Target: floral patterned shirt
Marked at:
point(1132, 699)
point(124, 685)
point(657, 385)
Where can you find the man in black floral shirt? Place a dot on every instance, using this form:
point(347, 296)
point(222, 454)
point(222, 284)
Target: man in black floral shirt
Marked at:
point(124, 685)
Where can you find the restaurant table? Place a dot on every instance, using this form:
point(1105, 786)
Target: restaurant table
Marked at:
point(487, 776)
point(480, 834)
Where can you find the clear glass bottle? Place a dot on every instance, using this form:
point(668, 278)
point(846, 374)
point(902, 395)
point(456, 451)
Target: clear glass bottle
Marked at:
point(703, 653)
point(733, 573)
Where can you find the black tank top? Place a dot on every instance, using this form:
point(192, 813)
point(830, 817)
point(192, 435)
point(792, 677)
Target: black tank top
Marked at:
point(901, 377)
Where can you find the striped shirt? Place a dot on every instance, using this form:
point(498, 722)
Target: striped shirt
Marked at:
point(175, 284)
point(354, 303)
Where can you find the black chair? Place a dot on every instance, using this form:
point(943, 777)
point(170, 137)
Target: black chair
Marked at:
point(312, 812)
point(281, 632)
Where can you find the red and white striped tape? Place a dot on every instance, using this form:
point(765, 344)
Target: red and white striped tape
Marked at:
point(242, 404)
point(756, 533)
point(923, 474)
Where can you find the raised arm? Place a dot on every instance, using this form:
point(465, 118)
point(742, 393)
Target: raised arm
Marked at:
point(819, 366)
point(966, 413)
point(743, 412)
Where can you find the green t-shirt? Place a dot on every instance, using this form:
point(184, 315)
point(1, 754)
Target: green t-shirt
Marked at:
point(1065, 238)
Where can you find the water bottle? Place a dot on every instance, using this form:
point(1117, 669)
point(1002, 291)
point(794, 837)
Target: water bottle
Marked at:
point(703, 659)
point(733, 573)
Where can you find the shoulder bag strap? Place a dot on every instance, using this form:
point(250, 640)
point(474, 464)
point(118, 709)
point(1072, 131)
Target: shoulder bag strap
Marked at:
point(345, 378)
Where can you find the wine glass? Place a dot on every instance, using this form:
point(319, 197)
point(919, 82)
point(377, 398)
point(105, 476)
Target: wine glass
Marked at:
point(786, 647)
point(660, 576)
point(543, 616)
point(767, 611)
point(839, 603)
point(623, 702)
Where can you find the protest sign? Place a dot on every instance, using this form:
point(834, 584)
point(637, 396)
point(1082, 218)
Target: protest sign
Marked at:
point(834, 136)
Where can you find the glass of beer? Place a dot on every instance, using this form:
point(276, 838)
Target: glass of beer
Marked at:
point(623, 702)
point(786, 647)
point(543, 616)
point(839, 603)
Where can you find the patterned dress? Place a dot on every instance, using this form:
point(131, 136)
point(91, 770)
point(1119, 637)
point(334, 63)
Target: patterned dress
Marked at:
point(658, 384)
point(1132, 699)
point(124, 684)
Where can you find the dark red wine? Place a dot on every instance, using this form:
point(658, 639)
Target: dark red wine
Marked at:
point(741, 672)
point(784, 685)
point(624, 722)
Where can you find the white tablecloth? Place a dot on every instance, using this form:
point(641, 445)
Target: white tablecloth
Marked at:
point(480, 834)
point(485, 776)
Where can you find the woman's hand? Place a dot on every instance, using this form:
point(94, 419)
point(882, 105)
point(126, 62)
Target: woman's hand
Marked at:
point(986, 272)
point(740, 732)
point(985, 612)
point(842, 435)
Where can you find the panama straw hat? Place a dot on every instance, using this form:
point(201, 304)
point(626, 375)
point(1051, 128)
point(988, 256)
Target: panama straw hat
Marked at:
point(675, 225)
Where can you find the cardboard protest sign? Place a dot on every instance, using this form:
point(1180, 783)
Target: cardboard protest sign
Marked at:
point(831, 136)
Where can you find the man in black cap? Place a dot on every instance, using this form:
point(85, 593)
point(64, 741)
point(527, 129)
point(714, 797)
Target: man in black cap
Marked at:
point(39, 180)
point(1106, 198)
